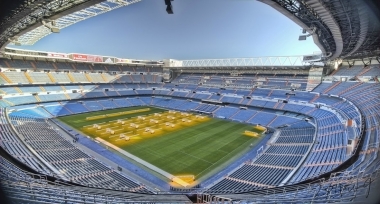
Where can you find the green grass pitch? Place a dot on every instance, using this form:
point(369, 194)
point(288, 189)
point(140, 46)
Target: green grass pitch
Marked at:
point(196, 150)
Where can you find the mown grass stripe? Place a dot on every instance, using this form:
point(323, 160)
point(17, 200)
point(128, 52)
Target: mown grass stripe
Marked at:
point(193, 150)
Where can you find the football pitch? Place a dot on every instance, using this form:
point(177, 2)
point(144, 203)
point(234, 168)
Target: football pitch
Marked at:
point(178, 143)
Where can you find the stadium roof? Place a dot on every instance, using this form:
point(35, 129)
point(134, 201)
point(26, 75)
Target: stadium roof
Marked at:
point(347, 29)
point(340, 28)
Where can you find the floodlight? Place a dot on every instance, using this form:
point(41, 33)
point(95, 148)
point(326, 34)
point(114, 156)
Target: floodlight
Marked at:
point(15, 41)
point(169, 8)
point(303, 37)
point(51, 25)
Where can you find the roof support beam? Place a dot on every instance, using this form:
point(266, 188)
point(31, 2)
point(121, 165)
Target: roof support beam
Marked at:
point(329, 20)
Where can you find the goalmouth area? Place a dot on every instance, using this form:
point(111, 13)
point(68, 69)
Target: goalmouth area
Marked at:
point(188, 146)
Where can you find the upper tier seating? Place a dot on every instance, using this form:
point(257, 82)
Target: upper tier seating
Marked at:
point(79, 77)
point(267, 81)
point(60, 77)
point(16, 77)
point(358, 70)
point(39, 77)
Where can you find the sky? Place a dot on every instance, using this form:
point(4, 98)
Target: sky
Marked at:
point(198, 29)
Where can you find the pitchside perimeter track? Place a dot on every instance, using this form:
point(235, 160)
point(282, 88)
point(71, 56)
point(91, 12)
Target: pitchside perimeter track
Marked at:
point(178, 143)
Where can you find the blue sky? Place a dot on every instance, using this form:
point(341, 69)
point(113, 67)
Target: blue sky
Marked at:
point(198, 29)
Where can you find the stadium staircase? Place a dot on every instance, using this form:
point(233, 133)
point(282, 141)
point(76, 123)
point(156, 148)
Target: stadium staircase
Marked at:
point(249, 182)
point(310, 111)
point(130, 104)
point(332, 87)
point(275, 106)
point(323, 164)
point(67, 96)
point(33, 65)
point(105, 67)
point(73, 66)
point(17, 89)
point(334, 72)
point(100, 105)
point(272, 120)
point(42, 88)
point(266, 81)
point(44, 109)
point(357, 78)
point(143, 78)
point(249, 102)
point(37, 98)
point(234, 114)
point(337, 103)
point(51, 77)
point(326, 149)
point(8, 102)
point(88, 77)
point(55, 67)
point(252, 116)
point(8, 65)
point(85, 106)
point(5, 77)
point(350, 88)
point(365, 70)
point(250, 93)
point(281, 106)
point(141, 100)
point(376, 79)
point(272, 166)
point(198, 106)
point(71, 77)
point(117, 92)
point(315, 98)
point(241, 100)
point(91, 68)
point(63, 106)
point(151, 101)
point(28, 77)
point(271, 91)
point(104, 77)
point(83, 95)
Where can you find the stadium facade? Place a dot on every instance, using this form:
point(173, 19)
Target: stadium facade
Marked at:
point(321, 110)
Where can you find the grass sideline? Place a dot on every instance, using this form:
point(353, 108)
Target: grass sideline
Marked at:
point(196, 150)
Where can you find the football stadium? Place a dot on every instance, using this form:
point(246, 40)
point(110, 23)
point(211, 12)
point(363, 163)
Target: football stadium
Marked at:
point(92, 128)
